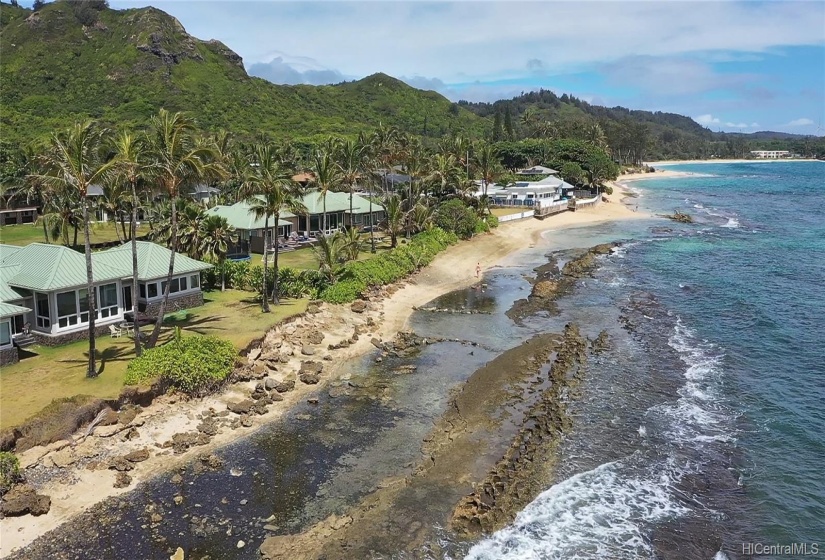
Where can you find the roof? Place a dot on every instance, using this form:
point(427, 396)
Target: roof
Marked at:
point(153, 261)
point(239, 216)
point(9, 310)
point(204, 189)
point(47, 268)
point(337, 202)
point(537, 170)
point(43, 267)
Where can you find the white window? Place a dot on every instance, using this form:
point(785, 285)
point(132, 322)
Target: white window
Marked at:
point(67, 309)
point(42, 310)
point(5, 333)
point(195, 281)
point(152, 290)
point(107, 300)
point(183, 282)
point(142, 290)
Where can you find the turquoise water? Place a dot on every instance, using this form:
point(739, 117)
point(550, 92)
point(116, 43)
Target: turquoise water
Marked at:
point(757, 292)
point(704, 428)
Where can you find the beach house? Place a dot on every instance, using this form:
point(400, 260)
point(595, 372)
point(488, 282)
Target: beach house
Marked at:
point(527, 193)
point(43, 288)
point(253, 236)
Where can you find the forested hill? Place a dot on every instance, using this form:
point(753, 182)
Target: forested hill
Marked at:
point(70, 60)
point(73, 60)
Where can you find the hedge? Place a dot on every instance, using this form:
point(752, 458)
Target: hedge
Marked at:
point(194, 364)
point(388, 267)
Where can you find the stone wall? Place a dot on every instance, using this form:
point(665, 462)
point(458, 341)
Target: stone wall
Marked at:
point(8, 356)
point(177, 302)
point(57, 340)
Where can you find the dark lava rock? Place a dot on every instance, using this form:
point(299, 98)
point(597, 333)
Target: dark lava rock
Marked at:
point(311, 367)
point(137, 456)
point(108, 417)
point(22, 499)
point(208, 426)
point(358, 306)
point(270, 383)
point(315, 337)
point(309, 378)
point(285, 386)
point(121, 464)
point(122, 480)
point(126, 415)
point(242, 407)
point(313, 308)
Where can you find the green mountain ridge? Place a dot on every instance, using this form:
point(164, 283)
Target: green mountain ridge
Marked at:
point(74, 60)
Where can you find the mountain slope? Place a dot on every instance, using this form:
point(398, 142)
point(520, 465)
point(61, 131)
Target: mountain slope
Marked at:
point(121, 66)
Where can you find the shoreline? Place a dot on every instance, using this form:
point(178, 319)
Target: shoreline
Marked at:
point(704, 161)
point(74, 489)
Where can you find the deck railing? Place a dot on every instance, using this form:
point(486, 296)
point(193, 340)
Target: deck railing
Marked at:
point(548, 208)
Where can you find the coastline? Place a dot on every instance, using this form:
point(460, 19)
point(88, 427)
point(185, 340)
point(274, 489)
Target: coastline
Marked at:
point(159, 422)
point(704, 161)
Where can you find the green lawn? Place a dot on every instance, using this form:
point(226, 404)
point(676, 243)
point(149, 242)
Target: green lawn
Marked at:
point(305, 259)
point(23, 234)
point(44, 373)
point(507, 211)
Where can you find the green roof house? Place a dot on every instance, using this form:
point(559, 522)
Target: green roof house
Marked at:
point(43, 288)
point(252, 236)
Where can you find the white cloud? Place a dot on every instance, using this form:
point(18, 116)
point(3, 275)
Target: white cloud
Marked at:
point(707, 119)
point(285, 69)
point(800, 122)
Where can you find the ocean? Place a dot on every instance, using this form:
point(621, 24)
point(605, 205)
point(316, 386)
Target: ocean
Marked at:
point(702, 433)
point(696, 434)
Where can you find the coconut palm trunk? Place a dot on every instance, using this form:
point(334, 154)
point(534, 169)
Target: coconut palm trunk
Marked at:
point(133, 232)
point(153, 338)
point(90, 288)
point(275, 299)
point(264, 291)
point(372, 223)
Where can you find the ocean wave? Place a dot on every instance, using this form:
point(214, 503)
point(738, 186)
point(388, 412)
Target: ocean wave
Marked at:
point(601, 513)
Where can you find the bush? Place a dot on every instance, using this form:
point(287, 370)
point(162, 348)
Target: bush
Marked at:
point(389, 267)
point(492, 221)
point(454, 216)
point(194, 365)
point(9, 471)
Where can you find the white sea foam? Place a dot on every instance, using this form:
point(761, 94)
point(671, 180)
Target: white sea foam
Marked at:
point(607, 512)
point(600, 513)
point(732, 223)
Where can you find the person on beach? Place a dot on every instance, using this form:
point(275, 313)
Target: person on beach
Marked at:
point(478, 270)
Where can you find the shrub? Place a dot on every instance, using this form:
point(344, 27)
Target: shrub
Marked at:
point(388, 267)
point(454, 216)
point(194, 365)
point(9, 471)
point(492, 221)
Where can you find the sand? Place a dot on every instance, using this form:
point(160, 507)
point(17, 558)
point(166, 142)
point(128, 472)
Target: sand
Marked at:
point(79, 488)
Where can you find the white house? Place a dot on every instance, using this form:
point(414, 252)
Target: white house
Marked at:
point(770, 154)
point(537, 170)
point(526, 193)
point(45, 287)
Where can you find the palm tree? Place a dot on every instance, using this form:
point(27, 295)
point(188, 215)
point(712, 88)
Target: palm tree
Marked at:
point(190, 217)
point(328, 250)
point(351, 156)
point(111, 204)
point(61, 212)
point(215, 237)
point(75, 161)
point(445, 173)
point(131, 167)
point(414, 164)
point(326, 177)
point(489, 166)
point(395, 218)
point(351, 244)
point(270, 191)
point(178, 162)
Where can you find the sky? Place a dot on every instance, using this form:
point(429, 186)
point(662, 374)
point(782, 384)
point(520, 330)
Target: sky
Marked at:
point(733, 66)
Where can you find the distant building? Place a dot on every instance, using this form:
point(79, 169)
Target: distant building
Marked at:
point(770, 154)
point(537, 170)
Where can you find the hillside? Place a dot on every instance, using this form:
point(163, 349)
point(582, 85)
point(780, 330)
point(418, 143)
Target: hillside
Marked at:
point(74, 60)
point(62, 63)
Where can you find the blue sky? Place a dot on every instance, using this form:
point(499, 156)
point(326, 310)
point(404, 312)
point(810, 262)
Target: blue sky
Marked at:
point(730, 65)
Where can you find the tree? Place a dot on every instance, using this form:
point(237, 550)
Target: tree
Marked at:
point(216, 235)
point(75, 161)
point(384, 142)
point(508, 123)
point(178, 162)
point(454, 216)
point(497, 129)
point(132, 166)
point(326, 177)
point(395, 218)
point(270, 191)
point(488, 165)
point(351, 156)
point(328, 250)
point(444, 173)
point(572, 172)
point(190, 217)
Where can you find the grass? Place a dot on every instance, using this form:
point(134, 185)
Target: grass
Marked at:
point(45, 373)
point(305, 259)
point(23, 234)
point(498, 212)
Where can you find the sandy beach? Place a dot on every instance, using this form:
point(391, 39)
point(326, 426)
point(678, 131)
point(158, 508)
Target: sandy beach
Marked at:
point(74, 488)
point(692, 161)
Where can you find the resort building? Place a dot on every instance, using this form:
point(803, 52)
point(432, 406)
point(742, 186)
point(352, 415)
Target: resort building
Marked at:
point(12, 216)
point(527, 193)
point(253, 237)
point(43, 288)
point(537, 170)
point(770, 154)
